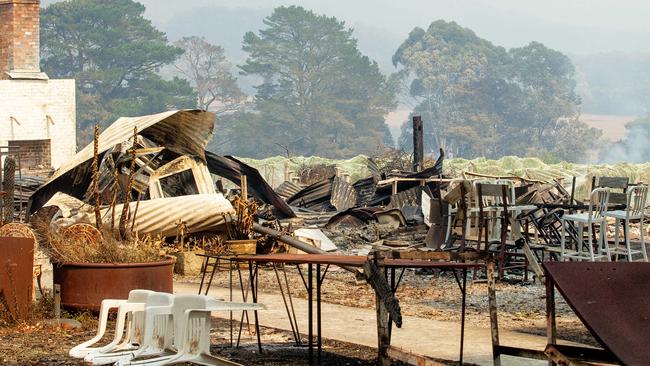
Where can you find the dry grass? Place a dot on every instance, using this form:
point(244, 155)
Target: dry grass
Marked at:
point(107, 248)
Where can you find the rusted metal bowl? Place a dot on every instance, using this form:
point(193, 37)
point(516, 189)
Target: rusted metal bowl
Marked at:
point(85, 285)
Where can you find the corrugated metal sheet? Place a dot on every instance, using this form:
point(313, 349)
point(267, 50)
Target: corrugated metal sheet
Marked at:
point(314, 197)
point(161, 215)
point(333, 194)
point(374, 169)
point(287, 189)
point(343, 195)
point(365, 189)
point(184, 132)
point(409, 197)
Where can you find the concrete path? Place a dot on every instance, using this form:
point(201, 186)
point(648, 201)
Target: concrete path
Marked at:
point(434, 338)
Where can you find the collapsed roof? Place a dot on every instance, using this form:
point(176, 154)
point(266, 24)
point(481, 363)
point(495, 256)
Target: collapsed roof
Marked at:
point(169, 142)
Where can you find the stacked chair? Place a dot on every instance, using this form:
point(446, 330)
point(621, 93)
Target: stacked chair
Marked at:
point(594, 216)
point(597, 247)
point(161, 329)
point(634, 211)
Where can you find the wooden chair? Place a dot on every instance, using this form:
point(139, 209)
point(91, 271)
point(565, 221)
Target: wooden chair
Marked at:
point(617, 187)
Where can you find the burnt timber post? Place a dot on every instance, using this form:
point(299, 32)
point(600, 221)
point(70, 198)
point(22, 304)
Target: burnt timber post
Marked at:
point(418, 144)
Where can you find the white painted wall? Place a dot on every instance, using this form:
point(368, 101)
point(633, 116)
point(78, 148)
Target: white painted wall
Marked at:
point(30, 102)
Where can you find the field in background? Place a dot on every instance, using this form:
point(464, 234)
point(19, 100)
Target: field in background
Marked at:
point(613, 126)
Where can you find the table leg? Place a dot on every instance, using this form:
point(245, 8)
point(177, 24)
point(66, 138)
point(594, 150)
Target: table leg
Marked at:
point(230, 298)
point(394, 289)
point(244, 294)
point(462, 316)
point(204, 268)
point(550, 314)
point(310, 314)
point(214, 269)
point(253, 277)
point(318, 318)
point(286, 305)
point(293, 309)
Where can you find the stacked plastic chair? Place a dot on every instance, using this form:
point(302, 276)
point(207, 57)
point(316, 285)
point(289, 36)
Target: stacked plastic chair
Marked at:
point(170, 329)
point(129, 314)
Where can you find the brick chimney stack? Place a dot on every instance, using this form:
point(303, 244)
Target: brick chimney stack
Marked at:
point(19, 38)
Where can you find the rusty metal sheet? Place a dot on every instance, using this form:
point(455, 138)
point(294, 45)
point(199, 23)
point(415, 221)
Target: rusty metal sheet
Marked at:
point(611, 299)
point(16, 271)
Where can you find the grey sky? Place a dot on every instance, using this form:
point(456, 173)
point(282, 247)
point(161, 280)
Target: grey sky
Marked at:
point(582, 29)
point(573, 26)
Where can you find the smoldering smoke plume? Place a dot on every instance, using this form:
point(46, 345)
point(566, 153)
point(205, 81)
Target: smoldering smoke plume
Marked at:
point(633, 148)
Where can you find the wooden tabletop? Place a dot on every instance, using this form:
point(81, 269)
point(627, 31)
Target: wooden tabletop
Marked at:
point(351, 261)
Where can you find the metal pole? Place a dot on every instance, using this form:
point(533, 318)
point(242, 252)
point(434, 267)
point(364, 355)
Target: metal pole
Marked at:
point(551, 334)
point(310, 314)
point(230, 298)
point(462, 316)
point(253, 277)
point(318, 323)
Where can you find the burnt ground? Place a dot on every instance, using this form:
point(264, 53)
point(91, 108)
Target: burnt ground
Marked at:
point(40, 344)
point(429, 295)
point(435, 295)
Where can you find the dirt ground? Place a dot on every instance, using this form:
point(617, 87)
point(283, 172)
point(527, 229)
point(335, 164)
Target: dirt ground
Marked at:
point(433, 295)
point(41, 344)
point(424, 294)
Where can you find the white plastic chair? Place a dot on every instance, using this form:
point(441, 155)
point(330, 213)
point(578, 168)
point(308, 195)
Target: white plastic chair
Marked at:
point(129, 312)
point(156, 336)
point(635, 205)
point(192, 324)
point(598, 201)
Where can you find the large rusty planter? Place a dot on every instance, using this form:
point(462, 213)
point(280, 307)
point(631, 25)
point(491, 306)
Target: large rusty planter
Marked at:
point(85, 285)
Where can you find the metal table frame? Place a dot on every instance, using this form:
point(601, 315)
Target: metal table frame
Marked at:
point(318, 260)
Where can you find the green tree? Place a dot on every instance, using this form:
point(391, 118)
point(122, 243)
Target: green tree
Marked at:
point(478, 99)
point(114, 53)
point(318, 94)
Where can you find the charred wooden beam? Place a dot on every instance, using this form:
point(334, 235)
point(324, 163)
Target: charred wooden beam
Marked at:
point(418, 144)
point(410, 358)
point(573, 355)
